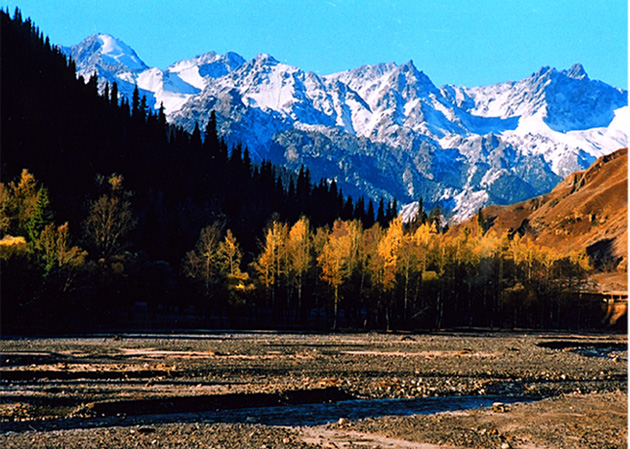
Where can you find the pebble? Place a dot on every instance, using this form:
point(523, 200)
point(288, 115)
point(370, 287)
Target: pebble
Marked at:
point(499, 407)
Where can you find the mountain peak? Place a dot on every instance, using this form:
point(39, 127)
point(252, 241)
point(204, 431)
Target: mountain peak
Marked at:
point(234, 57)
point(108, 50)
point(576, 71)
point(266, 58)
point(544, 71)
point(409, 64)
point(417, 77)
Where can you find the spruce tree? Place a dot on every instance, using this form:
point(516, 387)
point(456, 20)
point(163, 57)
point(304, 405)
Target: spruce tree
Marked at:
point(380, 214)
point(211, 139)
point(135, 101)
point(114, 94)
point(161, 118)
point(195, 139)
point(369, 215)
point(40, 217)
point(143, 109)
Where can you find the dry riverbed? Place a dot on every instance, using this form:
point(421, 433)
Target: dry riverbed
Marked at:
point(190, 390)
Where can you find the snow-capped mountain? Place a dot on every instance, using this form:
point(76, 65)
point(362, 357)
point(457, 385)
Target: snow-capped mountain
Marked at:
point(113, 60)
point(386, 129)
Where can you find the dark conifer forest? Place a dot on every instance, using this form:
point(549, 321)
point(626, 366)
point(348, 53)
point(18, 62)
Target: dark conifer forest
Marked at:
point(111, 218)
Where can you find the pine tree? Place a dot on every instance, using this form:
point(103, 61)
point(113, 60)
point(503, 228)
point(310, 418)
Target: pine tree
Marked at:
point(135, 101)
point(435, 218)
point(370, 219)
point(113, 99)
point(380, 214)
point(143, 109)
point(195, 139)
point(211, 139)
point(40, 217)
point(161, 119)
point(247, 163)
point(106, 91)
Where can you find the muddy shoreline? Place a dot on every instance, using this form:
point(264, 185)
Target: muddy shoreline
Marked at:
point(52, 388)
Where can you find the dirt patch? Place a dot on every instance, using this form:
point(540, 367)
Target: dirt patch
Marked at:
point(149, 436)
point(338, 438)
point(426, 354)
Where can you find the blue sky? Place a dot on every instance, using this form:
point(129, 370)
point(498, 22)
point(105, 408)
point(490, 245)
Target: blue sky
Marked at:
point(465, 42)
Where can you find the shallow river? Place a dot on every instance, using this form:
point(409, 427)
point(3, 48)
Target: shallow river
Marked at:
point(318, 414)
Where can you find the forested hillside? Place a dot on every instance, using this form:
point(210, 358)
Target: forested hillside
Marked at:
point(72, 140)
point(104, 206)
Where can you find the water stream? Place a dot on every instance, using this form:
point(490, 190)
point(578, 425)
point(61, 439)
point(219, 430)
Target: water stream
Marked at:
point(319, 414)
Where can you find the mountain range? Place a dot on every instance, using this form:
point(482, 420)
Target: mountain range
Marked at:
point(384, 130)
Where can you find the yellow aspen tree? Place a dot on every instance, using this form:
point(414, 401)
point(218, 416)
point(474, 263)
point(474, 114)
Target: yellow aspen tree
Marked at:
point(202, 263)
point(489, 244)
point(271, 264)
point(386, 262)
point(366, 251)
point(409, 265)
point(370, 261)
point(229, 255)
point(24, 198)
point(299, 249)
point(59, 255)
point(57, 249)
point(24, 208)
point(388, 251)
point(424, 241)
point(229, 260)
point(336, 260)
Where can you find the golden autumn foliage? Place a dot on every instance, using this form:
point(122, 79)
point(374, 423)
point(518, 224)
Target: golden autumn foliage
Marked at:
point(13, 246)
point(272, 261)
point(399, 267)
point(229, 255)
point(24, 210)
point(339, 257)
point(300, 247)
point(57, 249)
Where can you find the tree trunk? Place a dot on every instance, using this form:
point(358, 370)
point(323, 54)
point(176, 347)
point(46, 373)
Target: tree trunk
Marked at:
point(406, 301)
point(335, 307)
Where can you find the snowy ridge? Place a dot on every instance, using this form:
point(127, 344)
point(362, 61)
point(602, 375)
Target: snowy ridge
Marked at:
point(386, 129)
point(107, 52)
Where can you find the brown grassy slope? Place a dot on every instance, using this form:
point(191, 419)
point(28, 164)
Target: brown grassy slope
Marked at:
point(586, 211)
